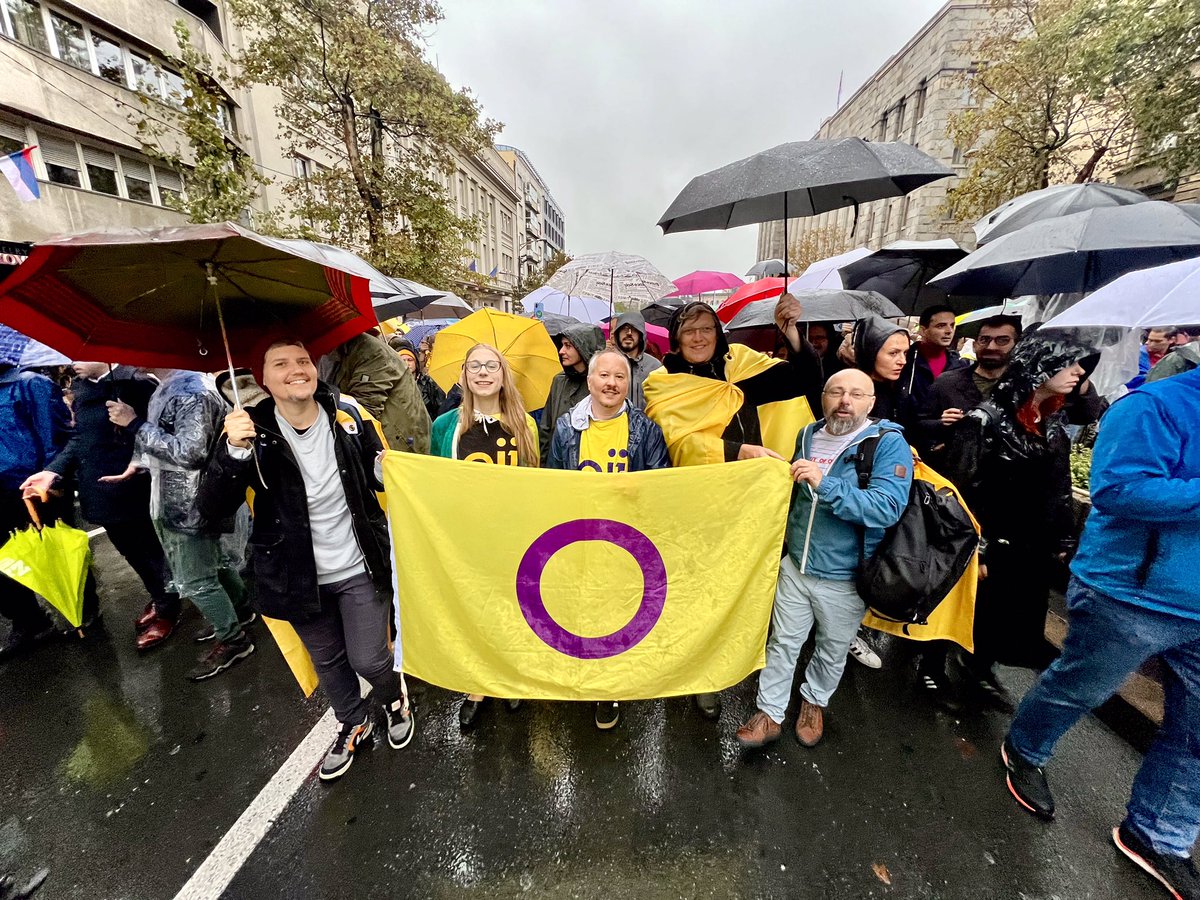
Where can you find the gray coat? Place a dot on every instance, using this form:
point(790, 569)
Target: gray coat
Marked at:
point(641, 365)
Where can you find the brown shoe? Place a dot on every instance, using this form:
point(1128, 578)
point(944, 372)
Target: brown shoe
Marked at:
point(144, 621)
point(759, 730)
point(155, 633)
point(810, 727)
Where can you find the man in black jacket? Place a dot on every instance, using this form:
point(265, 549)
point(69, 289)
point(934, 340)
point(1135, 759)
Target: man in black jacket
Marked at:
point(97, 449)
point(319, 549)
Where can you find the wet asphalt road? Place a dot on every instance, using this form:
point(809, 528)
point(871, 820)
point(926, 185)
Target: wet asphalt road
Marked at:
point(121, 776)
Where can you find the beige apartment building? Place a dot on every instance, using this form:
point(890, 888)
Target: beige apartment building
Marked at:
point(543, 229)
point(77, 76)
point(910, 98)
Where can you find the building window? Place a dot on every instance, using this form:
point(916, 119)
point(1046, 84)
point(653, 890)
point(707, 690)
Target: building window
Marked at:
point(72, 42)
point(102, 171)
point(62, 161)
point(170, 185)
point(144, 76)
point(959, 158)
point(138, 181)
point(901, 109)
point(110, 63)
point(26, 25)
point(12, 138)
point(174, 91)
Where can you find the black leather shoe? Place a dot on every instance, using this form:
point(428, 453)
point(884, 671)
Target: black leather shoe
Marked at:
point(468, 714)
point(709, 705)
point(1027, 783)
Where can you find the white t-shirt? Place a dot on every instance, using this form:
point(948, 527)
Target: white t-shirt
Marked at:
point(825, 448)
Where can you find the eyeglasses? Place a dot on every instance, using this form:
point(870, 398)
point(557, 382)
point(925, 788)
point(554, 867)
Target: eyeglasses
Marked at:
point(701, 330)
point(476, 366)
point(839, 393)
point(1001, 341)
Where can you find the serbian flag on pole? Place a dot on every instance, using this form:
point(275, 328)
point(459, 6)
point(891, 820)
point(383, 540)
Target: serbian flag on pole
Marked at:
point(18, 168)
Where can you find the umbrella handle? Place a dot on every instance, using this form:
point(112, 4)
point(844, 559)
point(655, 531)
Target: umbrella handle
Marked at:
point(212, 281)
point(33, 513)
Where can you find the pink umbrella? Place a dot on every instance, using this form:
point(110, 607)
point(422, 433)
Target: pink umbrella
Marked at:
point(655, 334)
point(698, 283)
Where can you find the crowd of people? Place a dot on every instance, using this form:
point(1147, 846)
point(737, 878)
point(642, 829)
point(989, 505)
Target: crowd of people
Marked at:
point(165, 462)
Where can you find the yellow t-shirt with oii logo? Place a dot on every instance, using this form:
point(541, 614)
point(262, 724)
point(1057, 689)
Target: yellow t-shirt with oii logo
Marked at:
point(604, 445)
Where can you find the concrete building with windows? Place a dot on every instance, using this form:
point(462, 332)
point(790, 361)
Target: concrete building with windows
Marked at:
point(910, 98)
point(485, 186)
point(544, 231)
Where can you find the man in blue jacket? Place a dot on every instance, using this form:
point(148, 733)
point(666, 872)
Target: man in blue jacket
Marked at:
point(1133, 595)
point(833, 525)
point(604, 432)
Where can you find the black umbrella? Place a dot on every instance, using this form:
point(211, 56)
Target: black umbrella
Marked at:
point(819, 306)
point(767, 268)
point(1049, 203)
point(660, 313)
point(1078, 253)
point(803, 178)
point(901, 272)
point(555, 323)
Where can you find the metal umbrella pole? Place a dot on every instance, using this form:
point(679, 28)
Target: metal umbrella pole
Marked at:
point(212, 282)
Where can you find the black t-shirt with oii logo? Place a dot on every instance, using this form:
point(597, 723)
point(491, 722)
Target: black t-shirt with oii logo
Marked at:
point(488, 442)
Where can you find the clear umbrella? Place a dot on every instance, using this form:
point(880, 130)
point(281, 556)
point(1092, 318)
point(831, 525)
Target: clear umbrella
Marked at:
point(614, 276)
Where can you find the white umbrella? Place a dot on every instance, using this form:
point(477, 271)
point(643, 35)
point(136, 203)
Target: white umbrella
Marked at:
point(1163, 295)
point(823, 275)
point(612, 276)
point(584, 309)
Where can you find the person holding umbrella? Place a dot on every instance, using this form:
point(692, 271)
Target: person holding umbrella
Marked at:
point(707, 395)
point(319, 550)
point(97, 449)
point(490, 427)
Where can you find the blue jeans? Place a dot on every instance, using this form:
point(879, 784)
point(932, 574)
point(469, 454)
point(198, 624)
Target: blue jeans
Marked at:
point(802, 602)
point(1106, 642)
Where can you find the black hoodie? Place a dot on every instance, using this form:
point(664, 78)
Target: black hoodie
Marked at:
point(870, 334)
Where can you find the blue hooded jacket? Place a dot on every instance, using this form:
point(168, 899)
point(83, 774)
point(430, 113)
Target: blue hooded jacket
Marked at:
point(1141, 544)
point(828, 538)
point(37, 424)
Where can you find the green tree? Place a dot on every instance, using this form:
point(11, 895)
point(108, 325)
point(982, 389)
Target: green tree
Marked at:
point(357, 91)
point(1076, 91)
point(188, 132)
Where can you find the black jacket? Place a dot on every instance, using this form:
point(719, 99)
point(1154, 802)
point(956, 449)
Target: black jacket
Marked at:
point(280, 547)
point(99, 448)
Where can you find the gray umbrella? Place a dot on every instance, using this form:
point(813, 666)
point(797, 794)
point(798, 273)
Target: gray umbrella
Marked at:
point(901, 272)
point(1048, 203)
point(1078, 253)
point(660, 313)
point(803, 178)
point(555, 323)
point(767, 268)
point(819, 306)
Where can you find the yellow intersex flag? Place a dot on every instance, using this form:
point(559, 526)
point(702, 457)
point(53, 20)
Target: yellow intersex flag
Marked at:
point(693, 412)
point(954, 618)
point(531, 583)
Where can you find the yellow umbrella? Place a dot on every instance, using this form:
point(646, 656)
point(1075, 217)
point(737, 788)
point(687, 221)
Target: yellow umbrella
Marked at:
point(51, 560)
point(524, 342)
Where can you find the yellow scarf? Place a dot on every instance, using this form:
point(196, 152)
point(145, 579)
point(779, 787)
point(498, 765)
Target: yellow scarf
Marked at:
point(694, 411)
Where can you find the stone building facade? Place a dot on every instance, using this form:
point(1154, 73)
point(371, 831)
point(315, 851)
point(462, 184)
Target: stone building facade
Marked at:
point(910, 98)
point(544, 225)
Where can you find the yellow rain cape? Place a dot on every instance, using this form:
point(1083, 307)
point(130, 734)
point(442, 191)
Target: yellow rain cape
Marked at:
point(694, 411)
point(954, 618)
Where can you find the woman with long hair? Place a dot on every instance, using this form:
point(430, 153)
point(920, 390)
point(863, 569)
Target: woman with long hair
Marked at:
point(491, 427)
point(1010, 457)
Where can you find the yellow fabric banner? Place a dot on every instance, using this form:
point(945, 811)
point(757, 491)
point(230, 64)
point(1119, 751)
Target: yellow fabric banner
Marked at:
point(531, 583)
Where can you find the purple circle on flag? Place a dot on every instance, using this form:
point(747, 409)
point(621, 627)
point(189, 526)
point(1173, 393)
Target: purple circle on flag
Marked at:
point(628, 538)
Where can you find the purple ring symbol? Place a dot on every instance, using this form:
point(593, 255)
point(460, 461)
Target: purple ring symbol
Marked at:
point(628, 538)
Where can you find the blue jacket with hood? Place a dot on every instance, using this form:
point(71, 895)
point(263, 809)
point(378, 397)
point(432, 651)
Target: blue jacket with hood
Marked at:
point(831, 530)
point(1142, 540)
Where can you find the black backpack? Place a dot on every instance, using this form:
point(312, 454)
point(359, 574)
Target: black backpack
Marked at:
point(922, 557)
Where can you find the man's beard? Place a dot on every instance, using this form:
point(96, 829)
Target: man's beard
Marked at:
point(838, 427)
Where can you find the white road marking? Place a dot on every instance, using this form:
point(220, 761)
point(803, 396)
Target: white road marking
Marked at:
point(95, 532)
point(217, 872)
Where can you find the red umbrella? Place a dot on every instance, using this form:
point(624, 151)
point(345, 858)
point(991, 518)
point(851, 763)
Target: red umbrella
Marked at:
point(763, 289)
point(173, 297)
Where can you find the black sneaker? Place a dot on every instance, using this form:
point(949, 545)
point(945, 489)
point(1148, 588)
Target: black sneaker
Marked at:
point(709, 705)
point(1027, 783)
point(337, 761)
point(401, 724)
point(1177, 874)
point(995, 694)
point(938, 687)
point(223, 655)
point(207, 633)
point(608, 714)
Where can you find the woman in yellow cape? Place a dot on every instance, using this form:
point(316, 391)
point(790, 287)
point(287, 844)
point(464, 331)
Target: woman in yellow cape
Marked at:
point(717, 402)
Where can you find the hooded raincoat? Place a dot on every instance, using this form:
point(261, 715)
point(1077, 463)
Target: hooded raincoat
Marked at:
point(641, 363)
point(1017, 482)
point(870, 334)
point(569, 386)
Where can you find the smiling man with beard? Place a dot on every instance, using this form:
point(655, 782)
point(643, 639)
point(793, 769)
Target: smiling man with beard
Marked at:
point(833, 525)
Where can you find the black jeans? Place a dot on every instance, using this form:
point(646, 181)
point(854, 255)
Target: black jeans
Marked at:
point(138, 543)
point(348, 639)
point(17, 602)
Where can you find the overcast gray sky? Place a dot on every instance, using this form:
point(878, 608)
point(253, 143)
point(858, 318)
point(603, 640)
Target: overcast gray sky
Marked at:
point(619, 103)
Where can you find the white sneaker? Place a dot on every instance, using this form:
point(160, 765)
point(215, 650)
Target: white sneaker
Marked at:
point(861, 651)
